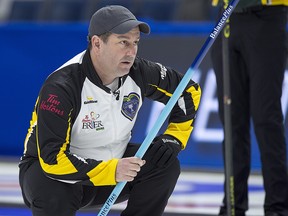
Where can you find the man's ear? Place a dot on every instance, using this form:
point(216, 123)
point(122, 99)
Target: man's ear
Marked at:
point(95, 41)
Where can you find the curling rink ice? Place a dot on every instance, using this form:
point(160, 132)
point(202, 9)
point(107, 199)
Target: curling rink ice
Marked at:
point(196, 193)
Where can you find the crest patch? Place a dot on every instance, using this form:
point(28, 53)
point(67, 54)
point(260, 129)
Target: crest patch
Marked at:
point(130, 105)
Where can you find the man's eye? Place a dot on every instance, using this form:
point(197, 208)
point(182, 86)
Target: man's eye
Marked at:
point(124, 43)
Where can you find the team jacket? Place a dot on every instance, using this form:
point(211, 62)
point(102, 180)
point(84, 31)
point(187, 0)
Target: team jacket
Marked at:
point(80, 128)
point(251, 3)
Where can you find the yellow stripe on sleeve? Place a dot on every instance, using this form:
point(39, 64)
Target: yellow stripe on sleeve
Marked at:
point(196, 95)
point(215, 2)
point(104, 173)
point(33, 123)
point(274, 2)
point(162, 90)
point(181, 131)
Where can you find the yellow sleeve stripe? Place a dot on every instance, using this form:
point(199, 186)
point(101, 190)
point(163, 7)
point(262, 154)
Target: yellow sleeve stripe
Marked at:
point(275, 2)
point(162, 90)
point(104, 173)
point(64, 165)
point(181, 131)
point(215, 2)
point(264, 2)
point(196, 95)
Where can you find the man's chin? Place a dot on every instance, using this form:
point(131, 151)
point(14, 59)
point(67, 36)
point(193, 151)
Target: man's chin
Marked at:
point(125, 70)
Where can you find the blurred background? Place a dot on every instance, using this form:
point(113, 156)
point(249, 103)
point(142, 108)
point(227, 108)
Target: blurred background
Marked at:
point(38, 36)
point(81, 10)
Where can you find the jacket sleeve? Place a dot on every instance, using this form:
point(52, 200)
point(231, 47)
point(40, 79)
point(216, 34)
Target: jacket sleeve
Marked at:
point(161, 82)
point(55, 113)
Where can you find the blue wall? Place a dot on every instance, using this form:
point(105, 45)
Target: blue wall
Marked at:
point(30, 52)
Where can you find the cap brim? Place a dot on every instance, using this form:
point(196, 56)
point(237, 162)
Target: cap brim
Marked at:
point(130, 24)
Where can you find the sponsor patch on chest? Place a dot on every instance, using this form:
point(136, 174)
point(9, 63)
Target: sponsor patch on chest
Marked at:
point(130, 105)
point(92, 121)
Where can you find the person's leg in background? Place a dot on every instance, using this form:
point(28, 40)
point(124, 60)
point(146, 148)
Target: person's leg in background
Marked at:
point(267, 59)
point(240, 116)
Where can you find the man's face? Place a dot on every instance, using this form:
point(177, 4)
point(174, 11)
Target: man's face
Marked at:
point(117, 55)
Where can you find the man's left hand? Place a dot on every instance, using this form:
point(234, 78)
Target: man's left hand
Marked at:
point(163, 150)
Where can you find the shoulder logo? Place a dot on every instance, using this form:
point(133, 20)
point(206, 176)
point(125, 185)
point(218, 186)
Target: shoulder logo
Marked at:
point(52, 104)
point(130, 105)
point(163, 70)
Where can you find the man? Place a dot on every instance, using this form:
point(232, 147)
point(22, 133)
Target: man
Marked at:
point(257, 60)
point(77, 147)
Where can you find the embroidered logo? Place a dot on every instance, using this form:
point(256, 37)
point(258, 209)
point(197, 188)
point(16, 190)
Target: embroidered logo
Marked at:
point(90, 100)
point(51, 105)
point(92, 121)
point(130, 105)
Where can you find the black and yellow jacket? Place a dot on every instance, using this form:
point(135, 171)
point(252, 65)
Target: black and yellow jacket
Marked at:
point(80, 128)
point(251, 3)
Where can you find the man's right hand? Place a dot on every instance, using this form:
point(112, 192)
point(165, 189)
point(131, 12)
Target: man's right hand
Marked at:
point(127, 168)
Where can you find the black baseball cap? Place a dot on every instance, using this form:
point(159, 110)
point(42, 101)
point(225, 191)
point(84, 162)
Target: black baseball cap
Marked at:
point(116, 19)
